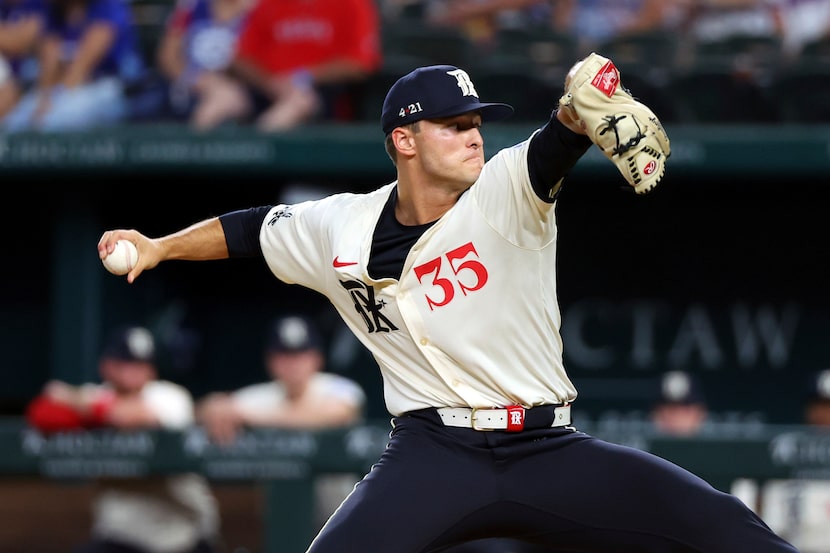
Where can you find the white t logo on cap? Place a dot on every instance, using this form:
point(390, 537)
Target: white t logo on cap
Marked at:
point(464, 82)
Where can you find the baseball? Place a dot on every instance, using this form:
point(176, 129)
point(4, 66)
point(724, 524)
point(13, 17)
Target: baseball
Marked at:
point(122, 259)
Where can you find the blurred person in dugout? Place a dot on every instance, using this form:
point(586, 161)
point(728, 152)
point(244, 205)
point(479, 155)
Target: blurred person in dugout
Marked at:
point(21, 22)
point(297, 61)
point(299, 394)
point(681, 408)
point(195, 50)
point(88, 56)
point(170, 514)
point(799, 508)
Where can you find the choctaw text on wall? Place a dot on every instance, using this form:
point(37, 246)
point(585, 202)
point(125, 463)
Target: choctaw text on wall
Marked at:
point(653, 335)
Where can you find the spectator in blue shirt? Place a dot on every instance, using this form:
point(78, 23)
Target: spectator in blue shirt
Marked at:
point(21, 23)
point(197, 47)
point(87, 57)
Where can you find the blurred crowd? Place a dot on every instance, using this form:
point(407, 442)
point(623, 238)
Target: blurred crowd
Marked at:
point(74, 64)
point(277, 65)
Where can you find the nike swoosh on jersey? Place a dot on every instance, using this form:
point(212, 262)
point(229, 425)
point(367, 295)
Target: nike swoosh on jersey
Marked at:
point(338, 263)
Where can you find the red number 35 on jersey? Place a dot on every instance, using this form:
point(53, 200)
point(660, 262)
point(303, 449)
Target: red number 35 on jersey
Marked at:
point(468, 275)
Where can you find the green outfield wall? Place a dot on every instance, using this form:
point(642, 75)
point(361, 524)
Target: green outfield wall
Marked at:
point(337, 150)
point(286, 462)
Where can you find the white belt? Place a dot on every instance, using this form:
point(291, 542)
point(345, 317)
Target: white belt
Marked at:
point(508, 418)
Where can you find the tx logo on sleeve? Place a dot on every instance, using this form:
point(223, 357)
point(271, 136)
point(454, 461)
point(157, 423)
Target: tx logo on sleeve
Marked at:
point(284, 213)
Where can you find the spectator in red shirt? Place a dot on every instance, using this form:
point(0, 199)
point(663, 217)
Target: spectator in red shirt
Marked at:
point(297, 59)
point(175, 513)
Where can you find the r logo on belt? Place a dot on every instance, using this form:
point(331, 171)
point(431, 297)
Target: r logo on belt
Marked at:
point(515, 418)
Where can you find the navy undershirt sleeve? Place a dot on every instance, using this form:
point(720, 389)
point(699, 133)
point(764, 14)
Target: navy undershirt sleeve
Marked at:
point(242, 231)
point(553, 151)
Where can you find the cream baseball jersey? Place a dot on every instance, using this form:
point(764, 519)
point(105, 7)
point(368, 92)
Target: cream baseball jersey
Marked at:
point(440, 334)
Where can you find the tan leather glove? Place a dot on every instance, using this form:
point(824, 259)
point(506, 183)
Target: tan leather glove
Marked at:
point(627, 131)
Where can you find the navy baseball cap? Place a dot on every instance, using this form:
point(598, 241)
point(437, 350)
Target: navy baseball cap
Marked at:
point(435, 91)
point(293, 333)
point(131, 343)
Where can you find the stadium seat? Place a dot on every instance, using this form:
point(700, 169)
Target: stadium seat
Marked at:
point(802, 89)
point(716, 94)
point(762, 55)
point(544, 51)
point(803, 94)
point(434, 45)
point(655, 50)
point(816, 53)
point(531, 96)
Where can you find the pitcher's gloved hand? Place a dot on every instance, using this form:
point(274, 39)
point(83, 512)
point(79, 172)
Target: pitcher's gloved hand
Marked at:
point(626, 130)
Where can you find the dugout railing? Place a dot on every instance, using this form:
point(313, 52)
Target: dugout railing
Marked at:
point(286, 461)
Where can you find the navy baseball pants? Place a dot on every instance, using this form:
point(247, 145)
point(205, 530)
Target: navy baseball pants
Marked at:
point(436, 486)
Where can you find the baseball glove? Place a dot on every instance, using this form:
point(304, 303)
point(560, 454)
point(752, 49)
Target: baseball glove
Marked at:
point(627, 131)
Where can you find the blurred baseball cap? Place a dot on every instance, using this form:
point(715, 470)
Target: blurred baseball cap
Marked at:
point(680, 387)
point(130, 343)
point(292, 333)
point(820, 385)
point(435, 91)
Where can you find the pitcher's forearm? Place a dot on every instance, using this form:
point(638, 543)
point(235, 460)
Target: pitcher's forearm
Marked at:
point(201, 241)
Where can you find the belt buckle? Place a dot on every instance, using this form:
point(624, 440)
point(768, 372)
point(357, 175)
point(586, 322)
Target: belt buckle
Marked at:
point(473, 419)
point(515, 418)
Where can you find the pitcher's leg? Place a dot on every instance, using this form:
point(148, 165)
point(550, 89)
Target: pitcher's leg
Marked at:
point(628, 496)
point(423, 484)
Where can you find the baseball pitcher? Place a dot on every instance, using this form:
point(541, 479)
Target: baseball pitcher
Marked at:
point(448, 276)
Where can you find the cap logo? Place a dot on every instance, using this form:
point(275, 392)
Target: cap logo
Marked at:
point(464, 82)
point(676, 386)
point(823, 384)
point(293, 332)
point(140, 343)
